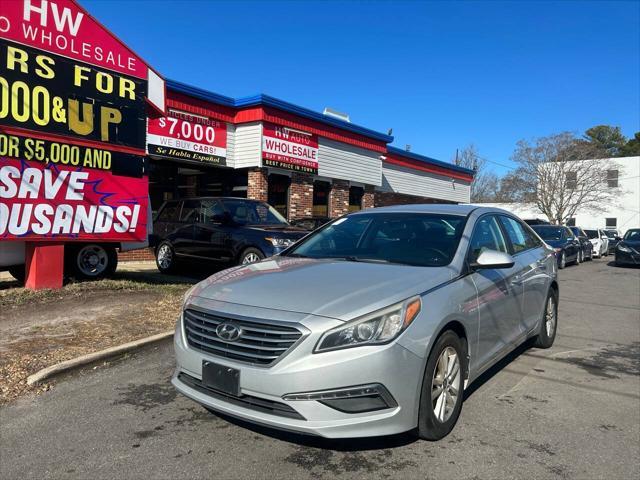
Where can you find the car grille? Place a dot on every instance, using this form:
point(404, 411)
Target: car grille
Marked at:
point(260, 343)
point(247, 401)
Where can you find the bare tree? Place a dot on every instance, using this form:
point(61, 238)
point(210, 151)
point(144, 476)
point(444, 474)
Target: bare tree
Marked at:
point(485, 184)
point(561, 174)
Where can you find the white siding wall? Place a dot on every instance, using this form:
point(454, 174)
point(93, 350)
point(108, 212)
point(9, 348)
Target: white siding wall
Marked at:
point(625, 208)
point(231, 142)
point(414, 182)
point(347, 162)
point(247, 149)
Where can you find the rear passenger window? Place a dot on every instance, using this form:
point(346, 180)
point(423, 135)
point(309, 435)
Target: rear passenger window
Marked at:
point(487, 236)
point(190, 211)
point(169, 213)
point(520, 237)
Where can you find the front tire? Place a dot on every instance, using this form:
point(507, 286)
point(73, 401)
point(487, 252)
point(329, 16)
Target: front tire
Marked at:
point(562, 262)
point(166, 257)
point(442, 387)
point(250, 255)
point(93, 261)
point(549, 323)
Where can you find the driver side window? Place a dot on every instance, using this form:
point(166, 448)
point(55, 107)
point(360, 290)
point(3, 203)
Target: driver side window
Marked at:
point(486, 236)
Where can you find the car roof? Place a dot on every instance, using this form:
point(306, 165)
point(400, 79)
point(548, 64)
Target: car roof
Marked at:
point(443, 208)
point(423, 208)
point(214, 198)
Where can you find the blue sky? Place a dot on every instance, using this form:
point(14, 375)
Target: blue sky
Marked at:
point(441, 74)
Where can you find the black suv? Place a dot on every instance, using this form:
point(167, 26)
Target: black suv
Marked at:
point(225, 230)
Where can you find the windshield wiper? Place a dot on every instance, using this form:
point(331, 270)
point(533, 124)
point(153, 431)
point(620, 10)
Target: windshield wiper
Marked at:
point(353, 258)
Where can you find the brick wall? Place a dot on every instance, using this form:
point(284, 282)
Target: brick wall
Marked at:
point(136, 255)
point(339, 198)
point(300, 196)
point(257, 184)
point(368, 199)
point(385, 199)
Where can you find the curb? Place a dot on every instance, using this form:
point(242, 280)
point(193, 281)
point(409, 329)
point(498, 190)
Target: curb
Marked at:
point(94, 357)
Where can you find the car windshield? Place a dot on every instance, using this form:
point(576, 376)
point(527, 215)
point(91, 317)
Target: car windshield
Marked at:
point(549, 233)
point(610, 234)
point(425, 240)
point(253, 213)
point(592, 233)
point(632, 235)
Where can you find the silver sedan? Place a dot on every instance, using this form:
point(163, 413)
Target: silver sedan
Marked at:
point(372, 325)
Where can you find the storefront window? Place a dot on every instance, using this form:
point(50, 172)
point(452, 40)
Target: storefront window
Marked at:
point(321, 198)
point(170, 180)
point(278, 194)
point(355, 198)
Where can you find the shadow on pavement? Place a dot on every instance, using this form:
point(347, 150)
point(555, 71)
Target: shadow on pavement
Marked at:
point(341, 445)
point(371, 443)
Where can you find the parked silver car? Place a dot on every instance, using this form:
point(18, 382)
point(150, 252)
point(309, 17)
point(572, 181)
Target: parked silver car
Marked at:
point(372, 325)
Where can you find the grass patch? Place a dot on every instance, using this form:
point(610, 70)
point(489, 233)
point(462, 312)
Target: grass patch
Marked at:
point(125, 282)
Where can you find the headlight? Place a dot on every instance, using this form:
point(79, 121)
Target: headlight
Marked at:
point(373, 329)
point(187, 294)
point(280, 242)
point(624, 248)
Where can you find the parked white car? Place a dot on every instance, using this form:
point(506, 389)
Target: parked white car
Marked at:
point(598, 237)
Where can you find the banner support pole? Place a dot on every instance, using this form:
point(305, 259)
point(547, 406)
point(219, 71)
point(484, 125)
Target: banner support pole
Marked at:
point(44, 265)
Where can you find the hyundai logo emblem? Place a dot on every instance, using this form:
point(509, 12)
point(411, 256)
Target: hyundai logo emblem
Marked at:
point(228, 332)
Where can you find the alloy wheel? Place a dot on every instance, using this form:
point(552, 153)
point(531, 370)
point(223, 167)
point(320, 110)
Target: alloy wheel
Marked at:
point(445, 385)
point(563, 261)
point(550, 316)
point(250, 258)
point(165, 256)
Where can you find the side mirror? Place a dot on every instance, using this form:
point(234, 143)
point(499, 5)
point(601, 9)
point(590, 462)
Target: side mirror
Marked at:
point(493, 259)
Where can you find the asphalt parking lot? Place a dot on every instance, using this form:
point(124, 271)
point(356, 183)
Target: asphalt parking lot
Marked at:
point(569, 412)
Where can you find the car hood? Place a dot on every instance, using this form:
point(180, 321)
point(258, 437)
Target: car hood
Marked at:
point(329, 288)
point(281, 231)
point(633, 244)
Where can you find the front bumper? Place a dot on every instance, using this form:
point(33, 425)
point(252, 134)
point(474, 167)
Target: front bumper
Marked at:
point(627, 258)
point(299, 371)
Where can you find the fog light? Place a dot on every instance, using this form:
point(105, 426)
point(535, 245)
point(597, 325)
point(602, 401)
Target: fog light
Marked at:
point(357, 399)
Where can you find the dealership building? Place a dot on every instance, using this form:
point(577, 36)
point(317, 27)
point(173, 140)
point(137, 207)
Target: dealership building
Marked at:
point(302, 162)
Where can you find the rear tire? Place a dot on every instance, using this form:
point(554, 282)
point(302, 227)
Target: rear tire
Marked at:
point(18, 272)
point(442, 387)
point(92, 261)
point(548, 323)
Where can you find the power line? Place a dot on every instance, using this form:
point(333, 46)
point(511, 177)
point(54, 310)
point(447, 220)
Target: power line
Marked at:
point(509, 167)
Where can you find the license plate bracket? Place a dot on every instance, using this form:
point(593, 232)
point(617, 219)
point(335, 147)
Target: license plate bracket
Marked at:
point(221, 378)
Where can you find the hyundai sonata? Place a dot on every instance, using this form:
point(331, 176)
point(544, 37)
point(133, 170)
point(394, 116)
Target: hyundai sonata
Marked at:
point(372, 325)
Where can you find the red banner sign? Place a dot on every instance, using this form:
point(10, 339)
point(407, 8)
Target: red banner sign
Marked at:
point(73, 109)
point(291, 149)
point(64, 28)
point(45, 202)
point(185, 136)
